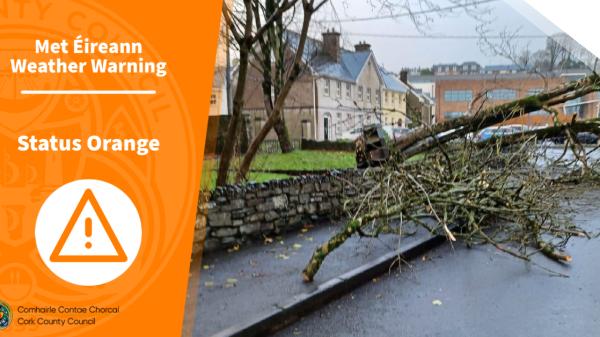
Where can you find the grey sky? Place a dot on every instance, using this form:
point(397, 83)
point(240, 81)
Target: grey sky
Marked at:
point(396, 53)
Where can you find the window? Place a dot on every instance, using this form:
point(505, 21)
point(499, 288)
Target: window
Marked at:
point(377, 97)
point(326, 128)
point(394, 98)
point(502, 94)
point(306, 129)
point(458, 95)
point(386, 97)
point(534, 91)
point(338, 89)
point(348, 90)
point(360, 93)
point(258, 124)
point(368, 94)
point(453, 114)
point(213, 99)
point(574, 106)
point(327, 87)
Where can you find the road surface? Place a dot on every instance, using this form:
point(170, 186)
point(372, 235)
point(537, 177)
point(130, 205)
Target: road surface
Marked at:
point(455, 291)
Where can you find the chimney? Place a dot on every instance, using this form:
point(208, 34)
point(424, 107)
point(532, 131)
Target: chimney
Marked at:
point(331, 44)
point(362, 46)
point(404, 76)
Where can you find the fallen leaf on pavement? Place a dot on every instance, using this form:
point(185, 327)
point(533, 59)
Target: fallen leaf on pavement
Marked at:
point(235, 248)
point(297, 246)
point(231, 282)
point(436, 302)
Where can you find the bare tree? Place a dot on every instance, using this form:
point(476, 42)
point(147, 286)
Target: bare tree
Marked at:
point(272, 65)
point(291, 73)
point(244, 34)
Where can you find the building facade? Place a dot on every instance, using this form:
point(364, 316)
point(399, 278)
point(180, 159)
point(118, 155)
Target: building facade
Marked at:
point(462, 95)
point(394, 101)
point(456, 69)
point(339, 92)
point(218, 96)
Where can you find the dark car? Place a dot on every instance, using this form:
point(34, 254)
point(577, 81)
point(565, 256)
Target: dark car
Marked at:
point(587, 138)
point(582, 137)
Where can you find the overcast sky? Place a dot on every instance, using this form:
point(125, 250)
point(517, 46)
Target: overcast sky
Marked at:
point(396, 53)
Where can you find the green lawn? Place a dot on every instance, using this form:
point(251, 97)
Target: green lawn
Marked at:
point(297, 160)
point(305, 161)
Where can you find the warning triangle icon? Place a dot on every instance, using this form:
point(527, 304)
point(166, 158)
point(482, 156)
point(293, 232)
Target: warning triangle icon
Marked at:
point(64, 252)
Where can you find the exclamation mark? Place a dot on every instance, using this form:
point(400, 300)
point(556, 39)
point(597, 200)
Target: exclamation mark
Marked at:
point(88, 231)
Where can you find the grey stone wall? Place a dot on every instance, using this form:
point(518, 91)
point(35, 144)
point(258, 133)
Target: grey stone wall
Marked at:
point(238, 213)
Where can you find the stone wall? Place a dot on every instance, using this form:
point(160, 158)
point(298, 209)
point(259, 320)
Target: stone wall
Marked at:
point(238, 213)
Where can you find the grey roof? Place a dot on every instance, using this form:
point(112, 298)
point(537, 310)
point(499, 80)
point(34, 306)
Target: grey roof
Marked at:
point(311, 46)
point(347, 69)
point(502, 67)
point(392, 82)
point(571, 73)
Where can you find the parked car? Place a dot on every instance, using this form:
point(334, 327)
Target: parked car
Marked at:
point(587, 138)
point(582, 137)
point(500, 131)
point(351, 135)
point(394, 132)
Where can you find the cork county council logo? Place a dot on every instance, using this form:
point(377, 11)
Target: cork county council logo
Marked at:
point(5, 315)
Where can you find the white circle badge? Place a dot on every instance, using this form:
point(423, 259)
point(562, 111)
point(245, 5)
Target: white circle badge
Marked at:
point(88, 232)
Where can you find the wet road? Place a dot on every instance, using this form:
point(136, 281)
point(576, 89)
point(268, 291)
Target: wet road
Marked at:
point(455, 291)
point(238, 286)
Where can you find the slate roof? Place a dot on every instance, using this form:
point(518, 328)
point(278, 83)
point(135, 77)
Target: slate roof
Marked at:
point(502, 67)
point(569, 74)
point(392, 82)
point(348, 69)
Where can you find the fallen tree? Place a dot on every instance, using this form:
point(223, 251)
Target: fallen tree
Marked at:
point(491, 192)
point(428, 137)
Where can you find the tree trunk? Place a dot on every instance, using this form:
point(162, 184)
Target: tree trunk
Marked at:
point(233, 129)
point(291, 77)
point(283, 135)
point(426, 138)
point(272, 46)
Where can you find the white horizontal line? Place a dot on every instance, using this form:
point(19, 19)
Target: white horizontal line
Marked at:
point(88, 92)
